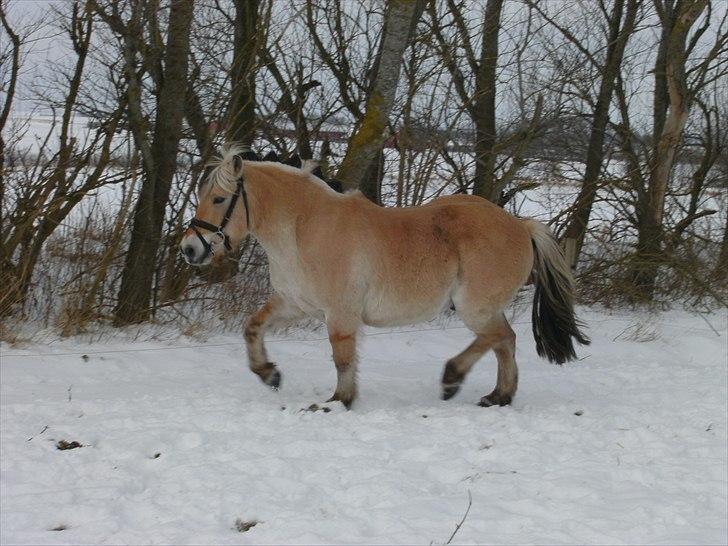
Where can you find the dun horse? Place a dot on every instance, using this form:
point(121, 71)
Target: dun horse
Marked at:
point(348, 262)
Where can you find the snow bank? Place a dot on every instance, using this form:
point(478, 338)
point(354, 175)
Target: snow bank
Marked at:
point(180, 441)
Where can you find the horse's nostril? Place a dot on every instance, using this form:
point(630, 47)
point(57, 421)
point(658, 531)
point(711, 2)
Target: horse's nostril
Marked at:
point(189, 251)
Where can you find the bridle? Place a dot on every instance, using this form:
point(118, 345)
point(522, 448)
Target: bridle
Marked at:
point(220, 230)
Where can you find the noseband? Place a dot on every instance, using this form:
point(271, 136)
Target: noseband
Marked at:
point(220, 230)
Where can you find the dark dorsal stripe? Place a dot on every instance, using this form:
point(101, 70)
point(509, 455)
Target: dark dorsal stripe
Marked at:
point(294, 161)
point(335, 185)
point(250, 155)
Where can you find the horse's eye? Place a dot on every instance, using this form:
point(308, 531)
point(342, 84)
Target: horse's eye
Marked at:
point(218, 200)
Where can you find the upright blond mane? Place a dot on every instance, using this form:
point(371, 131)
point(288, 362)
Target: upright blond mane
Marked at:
point(225, 172)
point(223, 175)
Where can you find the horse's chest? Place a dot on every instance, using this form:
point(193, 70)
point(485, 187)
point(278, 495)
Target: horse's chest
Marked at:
point(289, 281)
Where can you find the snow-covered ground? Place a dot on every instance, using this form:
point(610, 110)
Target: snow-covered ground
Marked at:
point(180, 441)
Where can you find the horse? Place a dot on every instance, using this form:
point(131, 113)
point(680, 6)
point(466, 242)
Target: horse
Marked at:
point(348, 262)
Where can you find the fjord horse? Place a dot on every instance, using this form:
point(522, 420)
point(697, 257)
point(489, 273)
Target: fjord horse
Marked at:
point(348, 262)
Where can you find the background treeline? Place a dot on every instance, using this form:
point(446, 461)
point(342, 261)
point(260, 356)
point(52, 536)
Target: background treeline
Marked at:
point(606, 118)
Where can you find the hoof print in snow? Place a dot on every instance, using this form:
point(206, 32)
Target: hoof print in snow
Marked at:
point(63, 445)
point(156, 456)
point(60, 527)
point(579, 413)
point(316, 407)
point(243, 526)
point(84, 358)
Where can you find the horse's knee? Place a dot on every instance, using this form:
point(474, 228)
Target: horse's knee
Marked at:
point(252, 330)
point(343, 347)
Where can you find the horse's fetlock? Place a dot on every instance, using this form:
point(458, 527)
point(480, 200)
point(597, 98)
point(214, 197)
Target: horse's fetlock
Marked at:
point(452, 375)
point(345, 397)
point(496, 399)
point(268, 373)
point(448, 391)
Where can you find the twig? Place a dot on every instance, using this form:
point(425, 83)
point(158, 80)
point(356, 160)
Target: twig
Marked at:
point(709, 324)
point(457, 527)
point(41, 432)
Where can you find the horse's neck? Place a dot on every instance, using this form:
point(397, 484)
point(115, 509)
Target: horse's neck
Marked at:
point(275, 207)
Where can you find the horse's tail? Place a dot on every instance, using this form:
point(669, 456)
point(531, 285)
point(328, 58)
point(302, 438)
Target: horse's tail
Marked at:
point(554, 322)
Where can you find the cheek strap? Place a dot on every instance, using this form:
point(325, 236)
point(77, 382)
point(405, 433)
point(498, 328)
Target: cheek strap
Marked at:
point(220, 230)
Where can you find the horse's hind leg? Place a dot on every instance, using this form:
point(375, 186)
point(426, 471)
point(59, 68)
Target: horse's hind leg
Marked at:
point(507, 382)
point(458, 367)
point(496, 334)
point(277, 312)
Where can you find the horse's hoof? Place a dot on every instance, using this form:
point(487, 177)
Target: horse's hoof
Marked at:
point(495, 399)
point(346, 401)
point(274, 380)
point(448, 391)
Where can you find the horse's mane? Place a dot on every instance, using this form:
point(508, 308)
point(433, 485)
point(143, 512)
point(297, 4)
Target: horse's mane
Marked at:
point(224, 169)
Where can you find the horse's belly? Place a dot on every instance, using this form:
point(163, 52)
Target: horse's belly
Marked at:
point(382, 308)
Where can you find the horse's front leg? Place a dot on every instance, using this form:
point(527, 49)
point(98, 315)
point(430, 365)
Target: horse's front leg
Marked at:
point(277, 312)
point(342, 336)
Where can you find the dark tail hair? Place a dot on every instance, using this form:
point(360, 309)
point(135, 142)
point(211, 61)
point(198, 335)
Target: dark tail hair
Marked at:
point(554, 322)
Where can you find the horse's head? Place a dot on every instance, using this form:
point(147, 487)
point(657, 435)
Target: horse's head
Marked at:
point(221, 219)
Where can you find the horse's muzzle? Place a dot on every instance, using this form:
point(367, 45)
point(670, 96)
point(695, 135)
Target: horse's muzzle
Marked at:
point(194, 252)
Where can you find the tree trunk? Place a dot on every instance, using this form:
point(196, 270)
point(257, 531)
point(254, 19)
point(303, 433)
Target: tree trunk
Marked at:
point(650, 216)
point(721, 268)
point(486, 184)
point(371, 185)
point(9, 92)
point(241, 111)
point(137, 278)
point(579, 218)
point(400, 20)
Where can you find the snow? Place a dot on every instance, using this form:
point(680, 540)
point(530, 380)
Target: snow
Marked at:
point(626, 446)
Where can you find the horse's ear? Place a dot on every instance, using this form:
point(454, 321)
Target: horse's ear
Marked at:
point(271, 156)
point(294, 161)
point(238, 164)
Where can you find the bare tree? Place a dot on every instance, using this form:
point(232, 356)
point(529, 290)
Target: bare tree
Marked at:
point(158, 152)
point(8, 86)
point(676, 88)
point(620, 26)
point(366, 143)
point(47, 191)
point(474, 74)
point(241, 112)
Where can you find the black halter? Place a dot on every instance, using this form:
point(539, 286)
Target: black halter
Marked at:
point(220, 230)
